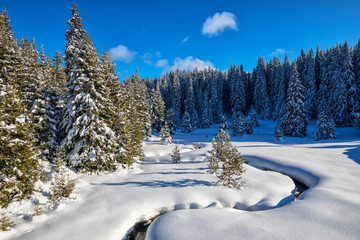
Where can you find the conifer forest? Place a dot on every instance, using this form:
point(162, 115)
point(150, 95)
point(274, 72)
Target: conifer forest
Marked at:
point(69, 112)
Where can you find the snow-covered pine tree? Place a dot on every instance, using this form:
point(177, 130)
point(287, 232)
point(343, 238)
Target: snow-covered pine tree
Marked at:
point(253, 119)
point(175, 156)
point(190, 104)
point(20, 165)
point(239, 125)
point(325, 127)
point(175, 98)
point(169, 119)
point(206, 113)
point(337, 101)
point(165, 134)
point(279, 134)
point(349, 77)
point(136, 117)
point(294, 122)
point(186, 124)
point(310, 87)
point(261, 99)
point(224, 125)
point(89, 144)
point(157, 110)
point(225, 160)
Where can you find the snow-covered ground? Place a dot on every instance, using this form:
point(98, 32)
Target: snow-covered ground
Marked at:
point(107, 206)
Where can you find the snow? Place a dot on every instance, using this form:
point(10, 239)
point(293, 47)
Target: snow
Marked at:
point(107, 206)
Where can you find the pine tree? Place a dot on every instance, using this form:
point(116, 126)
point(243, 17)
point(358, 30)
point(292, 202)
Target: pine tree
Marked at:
point(279, 134)
point(157, 110)
point(89, 144)
point(239, 125)
point(253, 119)
point(19, 162)
point(294, 121)
point(165, 134)
point(349, 77)
point(190, 104)
point(325, 127)
point(187, 127)
point(310, 81)
point(206, 114)
point(261, 99)
point(225, 160)
point(169, 119)
point(175, 156)
point(224, 125)
point(61, 185)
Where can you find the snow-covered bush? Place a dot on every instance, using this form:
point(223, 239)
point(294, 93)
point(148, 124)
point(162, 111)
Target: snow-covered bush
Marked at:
point(325, 127)
point(225, 160)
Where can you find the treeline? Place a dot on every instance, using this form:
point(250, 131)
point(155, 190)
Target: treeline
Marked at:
point(291, 93)
point(77, 112)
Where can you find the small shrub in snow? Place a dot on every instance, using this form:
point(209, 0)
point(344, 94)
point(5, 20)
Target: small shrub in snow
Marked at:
point(279, 134)
point(37, 209)
point(225, 160)
point(165, 134)
point(175, 156)
point(61, 186)
point(5, 221)
point(325, 127)
point(197, 146)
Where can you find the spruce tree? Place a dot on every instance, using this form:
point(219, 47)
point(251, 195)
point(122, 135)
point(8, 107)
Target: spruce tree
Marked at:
point(187, 127)
point(325, 127)
point(20, 165)
point(239, 125)
point(165, 134)
point(294, 121)
point(169, 119)
point(310, 81)
point(175, 156)
point(224, 125)
point(261, 99)
point(89, 144)
point(225, 160)
point(279, 134)
point(157, 110)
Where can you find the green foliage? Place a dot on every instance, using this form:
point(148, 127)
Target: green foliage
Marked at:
point(225, 160)
point(61, 186)
point(5, 221)
point(175, 156)
point(19, 164)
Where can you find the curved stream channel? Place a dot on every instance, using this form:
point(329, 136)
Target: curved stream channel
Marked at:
point(138, 231)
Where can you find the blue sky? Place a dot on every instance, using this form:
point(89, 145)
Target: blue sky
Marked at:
point(156, 36)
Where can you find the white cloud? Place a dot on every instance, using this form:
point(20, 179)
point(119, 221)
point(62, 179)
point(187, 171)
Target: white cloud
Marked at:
point(185, 40)
point(122, 53)
point(161, 63)
point(278, 51)
point(214, 25)
point(158, 54)
point(189, 63)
